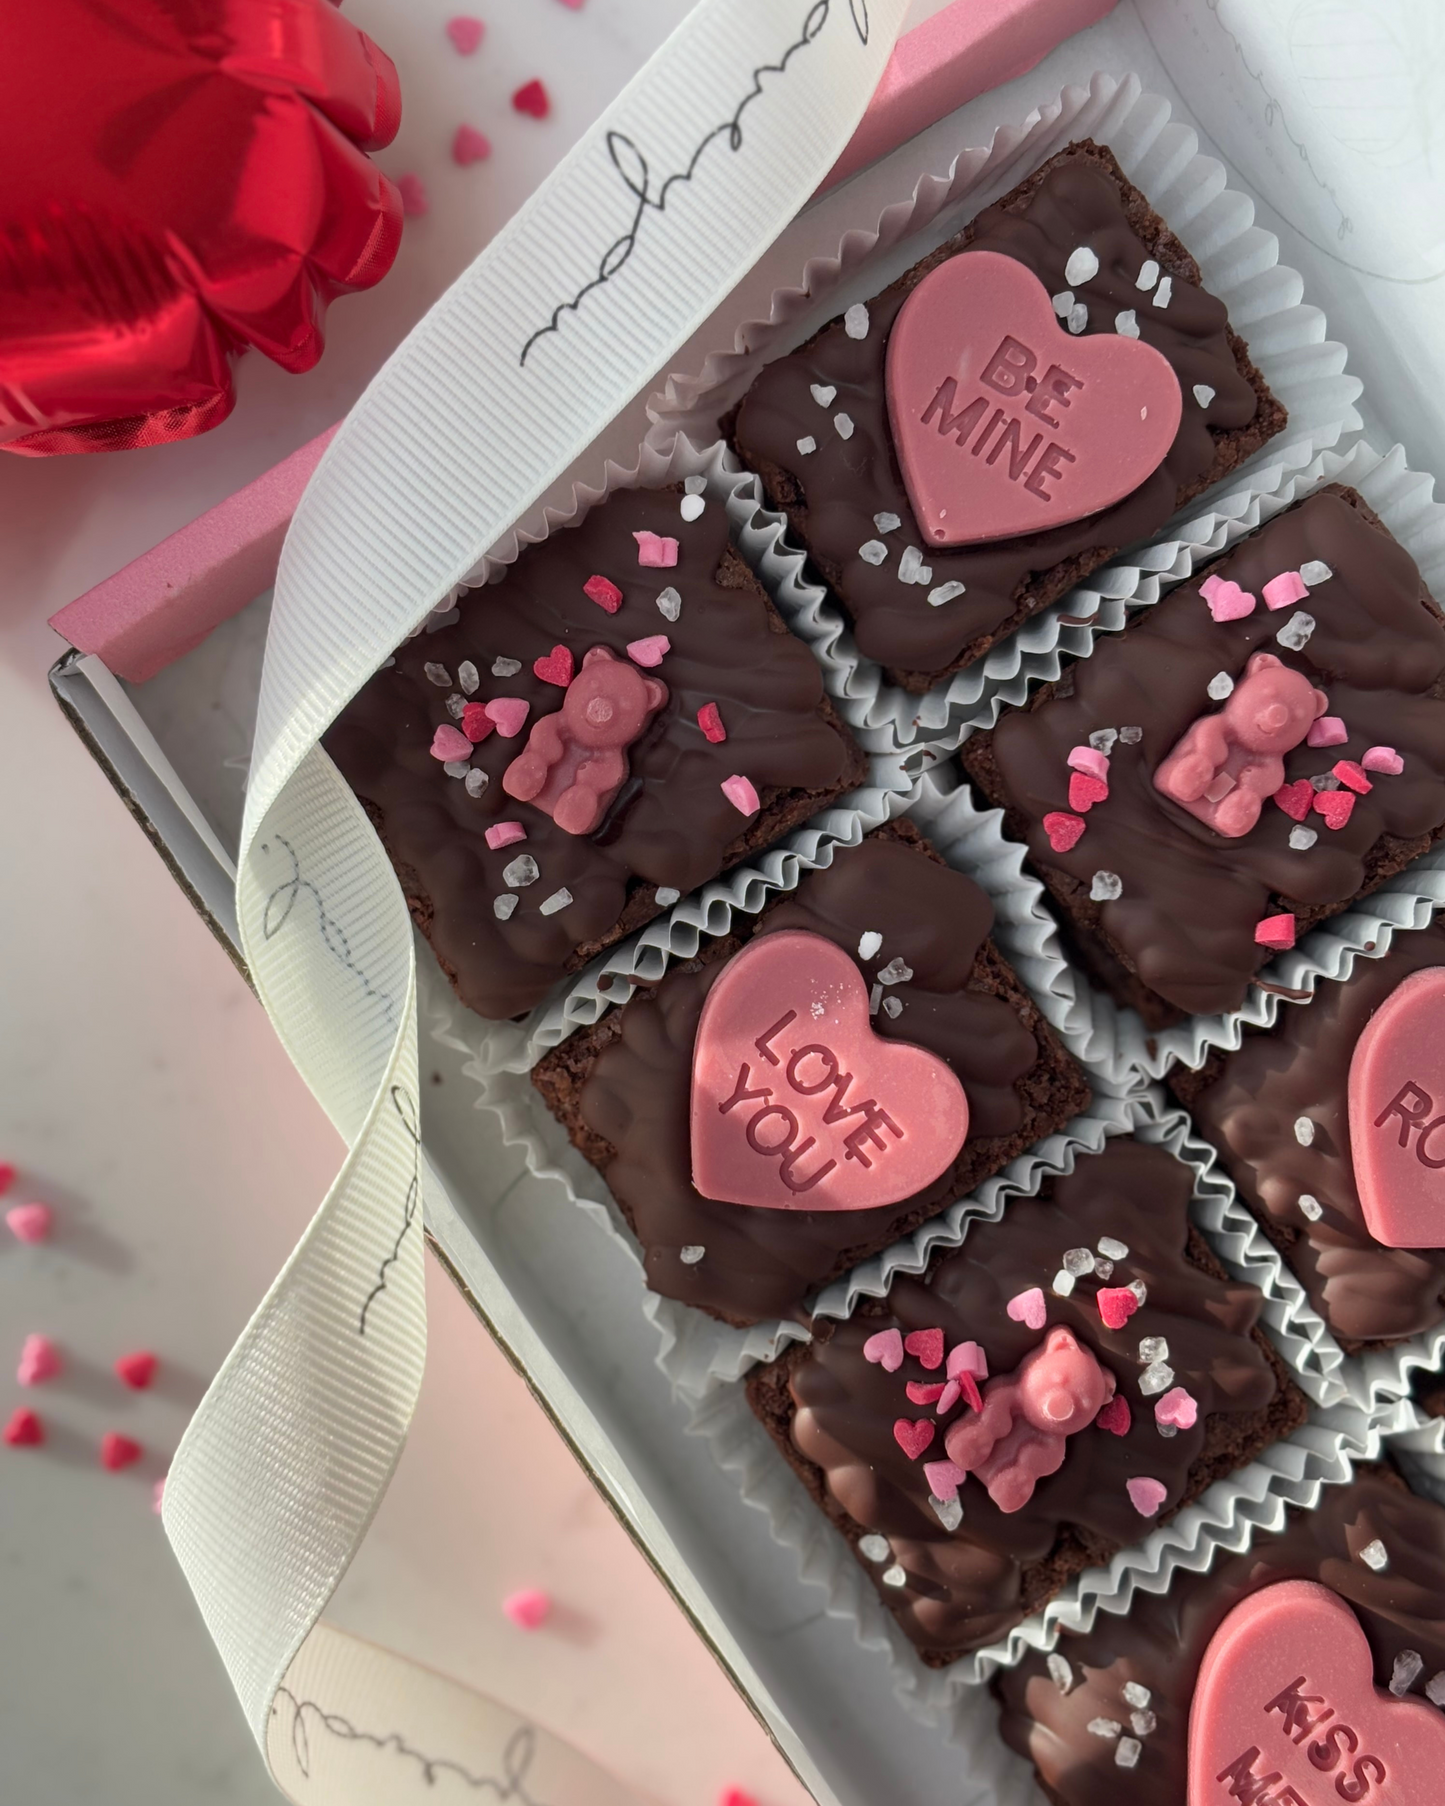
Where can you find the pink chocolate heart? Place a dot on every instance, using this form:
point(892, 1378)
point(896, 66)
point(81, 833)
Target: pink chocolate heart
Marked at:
point(1397, 1114)
point(913, 1435)
point(886, 1349)
point(1004, 422)
point(1295, 798)
point(1286, 1690)
point(927, 1345)
point(1064, 831)
point(1030, 1308)
point(797, 1104)
point(1116, 1416)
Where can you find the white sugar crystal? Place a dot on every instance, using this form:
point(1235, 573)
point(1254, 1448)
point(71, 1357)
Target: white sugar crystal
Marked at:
point(949, 1512)
point(1435, 1689)
point(1104, 1727)
point(1106, 887)
point(1136, 1696)
point(1078, 1261)
point(694, 485)
point(1060, 1672)
point(1220, 686)
point(894, 1576)
point(1158, 1376)
point(910, 563)
point(1166, 1430)
point(1304, 1131)
point(1063, 1283)
point(946, 592)
point(875, 997)
point(1128, 1752)
point(844, 424)
point(1409, 1665)
point(691, 1254)
point(924, 574)
point(1081, 266)
point(893, 1008)
point(438, 675)
point(873, 551)
point(1078, 317)
point(855, 321)
point(456, 702)
point(1131, 736)
point(1153, 1348)
point(468, 676)
point(1164, 293)
point(869, 943)
point(506, 667)
point(1302, 839)
point(669, 604)
point(1314, 571)
point(1126, 324)
point(1374, 1555)
point(691, 506)
point(1111, 1248)
point(475, 782)
point(1102, 740)
point(887, 523)
point(1203, 394)
point(1140, 1291)
point(874, 1547)
point(1310, 1206)
point(1064, 303)
point(807, 444)
point(896, 972)
point(1324, 780)
point(502, 907)
point(456, 768)
point(1296, 631)
point(665, 896)
point(559, 899)
point(1147, 276)
point(1142, 1723)
point(523, 871)
point(822, 393)
point(1104, 1270)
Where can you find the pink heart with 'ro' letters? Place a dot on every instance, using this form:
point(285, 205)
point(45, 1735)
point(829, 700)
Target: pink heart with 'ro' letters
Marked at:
point(1005, 423)
point(1397, 1114)
point(1286, 1709)
point(797, 1104)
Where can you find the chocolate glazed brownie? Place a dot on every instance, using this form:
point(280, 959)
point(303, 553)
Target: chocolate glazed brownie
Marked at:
point(718, 739)
point(1332, 1634)
point(915, 933)
point(816, 424)
point(1102, 1279)
point(1322, 727)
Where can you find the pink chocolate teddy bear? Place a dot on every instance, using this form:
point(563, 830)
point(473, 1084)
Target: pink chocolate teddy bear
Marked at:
point(1225, 765)
point(1056, 1390)
point(575, 760)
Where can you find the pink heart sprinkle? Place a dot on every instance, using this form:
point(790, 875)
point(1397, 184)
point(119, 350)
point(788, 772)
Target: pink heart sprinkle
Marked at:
point(117, 1451)
point(604, 592)
point(528, 1609)
point(1085, 791)
point(531, 98)
point(970, 1390)
point(1091, 760)
point(557, 668)
point(1177, 1407)
point(1146, 1495)
point(24, 1429)
point(1030, 1307)
point(1327, 730)
point(885, 1349)
point(913, 1435)
point(740, 793)
point(948, 1397)
point(1226, 600)
point(944, 1478)
point(414, 202)
point(7, 1176)
point(927, 1344)
point(1350, 772)
point(1281, 591)
point(1277, 931)
point(1116, 1416)
point(730, 1796)
point(709, 719)
point(136, 1370)
point(1295, 799)
point(465, 33)
point(1383, 758)
point(470, 146)
point(39, 1361)
point(651, 651)
point(29, 1222)
point(576, 6)
point(450, 744)
point(967, 1357)
point(1336, 806)
point(655, 551)
point(1064, 831)
point(924, 1392)
point(504, 834)
point(510, 714)
point(476, 722)
point(1117, 1304)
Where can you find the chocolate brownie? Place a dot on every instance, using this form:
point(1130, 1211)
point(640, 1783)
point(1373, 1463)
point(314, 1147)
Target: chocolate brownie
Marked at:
point(1278, 1110)
point(846, 498)
point(742, 700)
point(1159, 906)
point(1110, 1242)
point(1105, 1717)
point(917, 932)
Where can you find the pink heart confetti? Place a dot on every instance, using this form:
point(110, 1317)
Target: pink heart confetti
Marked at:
point(927, 1344)
point(1278, 931)
point(137, 1370)
point(741, 794)
point(1030, 1307)
point(967, 1357)
point(1383, 758)
point(1064, 831)
point(557, 668)
point(528, 1608)
point(1117, 1304)
point(1227, 601)
point(604, 592)
point(885, 1350)
point(944, 1478)
point(913, 1435)
point(710, 720)
point(730, 1796)
point(1091, 760)
point(117, 1451)
point(576, 7)
point(7, 1176)
point(470, 146)
point(504, 834)
point(655, 551)
point(465, 33)
point(924, 1392)
point(29, 1222)
point(414, 201)
point(1146, 1495)
point(650, 651)
point(39, 1361)
point(531, 98)
point(450, 744)
point(1177, 1408)
point(1350, 772)
point(1336, 806)
point(1085, 791)
point(510, 715)
point(1287, 588)
point(476, 722)
point(970, 1390)
point(948, 1397)
point(24, 1429)
point(1115, 1417)
point(1327, 730)
point(1295, 799)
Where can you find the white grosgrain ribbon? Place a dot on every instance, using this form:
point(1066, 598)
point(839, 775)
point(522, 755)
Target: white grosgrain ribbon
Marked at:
point(632, 242)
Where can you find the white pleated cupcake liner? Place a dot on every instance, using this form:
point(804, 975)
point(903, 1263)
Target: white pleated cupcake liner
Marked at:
point(1416, 1444)
point(1240, 266)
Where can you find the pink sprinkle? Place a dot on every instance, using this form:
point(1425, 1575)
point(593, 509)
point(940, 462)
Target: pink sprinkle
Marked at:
point(449, 744)
point(1177, 1407)
point(948, 1397)
point(414, 202)
point(1090, 759)
point(651, 651)
point(1227, 601)
point(730, 1796)
point(967, 1357)
point(742, 1800)
point(1030, 1307)
point(927, 1345)
point(1276, 931)
point(1328, 730)
point(558, 667)
point(158, 1495)
point(1116, 1416)
point(117, 1451)
point(503, 833)
point(1348, 771)
point(29, 1222)
point(470, 146)
point(885, 1349)
point(655, 551)
point(1336, 806)
point(24, 1429)
point(528, 1609)
point(1281, 591)
point(7, 1177)
point(924, 1392)
point(603, 592)
point(510, 714)
point(137, 1370)
point(1085, 791)
point(531, 98)
point(709, 719)
point(913, 1435)
point(1295, 798)
point(1146, 1496)
point(1378, 758)
point(39, 1361)
point(740, 793)
point(465, 33)
point(1117, 1304)
point(1064, 831)
point(476, 722)
point(944, 1478)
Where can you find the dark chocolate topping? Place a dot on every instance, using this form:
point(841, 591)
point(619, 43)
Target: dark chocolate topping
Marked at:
point(967, 1587)
point(1364, 1291)
point(1162, 1642)
point(832, 494)
point(670, 825)
point(1192, 898)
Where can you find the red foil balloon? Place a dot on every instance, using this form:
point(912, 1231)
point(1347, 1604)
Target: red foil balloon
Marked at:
point(179, 179)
